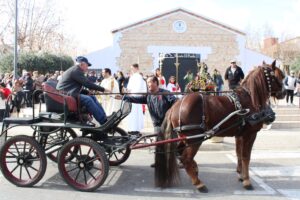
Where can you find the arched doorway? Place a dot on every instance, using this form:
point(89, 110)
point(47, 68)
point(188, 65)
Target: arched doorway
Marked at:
point(178, 64)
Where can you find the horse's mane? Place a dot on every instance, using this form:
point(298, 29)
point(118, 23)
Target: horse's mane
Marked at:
point(256, 84)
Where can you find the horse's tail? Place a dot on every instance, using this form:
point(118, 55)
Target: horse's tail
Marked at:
point(166, 168)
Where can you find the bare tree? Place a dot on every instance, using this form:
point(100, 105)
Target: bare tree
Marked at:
point(38, 28)
point(255, 36)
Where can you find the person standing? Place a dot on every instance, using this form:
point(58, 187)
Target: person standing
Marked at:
point(158, 104)
point(136, 84)
point(4, 108)
point(29, 88)
point(298, 86)
point(121, 80)
point(290, 84)
point(109, 103)
point(92, 76)
point(173, 86)
point(161, 79)
point(188, 78)
point(217, 78)
point(234, 75)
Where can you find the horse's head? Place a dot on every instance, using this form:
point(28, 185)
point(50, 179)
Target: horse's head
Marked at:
point(274, 78)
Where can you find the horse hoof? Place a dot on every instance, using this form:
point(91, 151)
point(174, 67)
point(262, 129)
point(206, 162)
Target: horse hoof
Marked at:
point(240, 179)
point(249, 187)
point(203, 189)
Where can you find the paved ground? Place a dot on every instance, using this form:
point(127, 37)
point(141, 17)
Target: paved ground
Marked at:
point(275, 174)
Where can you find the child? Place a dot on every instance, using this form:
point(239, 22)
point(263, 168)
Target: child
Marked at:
point(173, 86)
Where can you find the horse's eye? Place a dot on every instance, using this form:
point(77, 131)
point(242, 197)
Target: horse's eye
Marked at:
point(272, 73)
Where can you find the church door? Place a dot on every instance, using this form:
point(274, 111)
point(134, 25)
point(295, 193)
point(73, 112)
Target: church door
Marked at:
point(185, 62)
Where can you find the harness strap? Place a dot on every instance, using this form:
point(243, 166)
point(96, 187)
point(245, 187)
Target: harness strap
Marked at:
point(202, 125)
point(238, 106)
point(192, 127)
point(180, 113)
point(235, 100)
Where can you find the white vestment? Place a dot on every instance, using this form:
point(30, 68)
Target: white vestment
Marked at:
point(135, 119)
point(109, 103)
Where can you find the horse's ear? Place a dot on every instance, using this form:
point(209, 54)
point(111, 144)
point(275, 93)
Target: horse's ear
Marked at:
point(273, 65)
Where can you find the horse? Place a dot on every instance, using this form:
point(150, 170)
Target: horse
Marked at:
point(204, 112)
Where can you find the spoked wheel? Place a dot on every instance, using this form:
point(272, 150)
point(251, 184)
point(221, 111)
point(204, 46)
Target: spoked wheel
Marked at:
point(22, 161)
point(89, 167)
point(54, 142)
point(117, 156)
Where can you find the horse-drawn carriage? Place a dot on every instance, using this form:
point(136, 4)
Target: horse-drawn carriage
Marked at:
point(23, 157)
point(83, 160)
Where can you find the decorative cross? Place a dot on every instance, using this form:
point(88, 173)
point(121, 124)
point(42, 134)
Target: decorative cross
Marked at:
point(177, 66)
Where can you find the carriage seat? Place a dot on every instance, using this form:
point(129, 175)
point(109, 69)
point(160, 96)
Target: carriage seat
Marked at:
point(56, 101)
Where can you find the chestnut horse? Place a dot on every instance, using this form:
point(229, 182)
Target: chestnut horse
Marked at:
point(207, 110)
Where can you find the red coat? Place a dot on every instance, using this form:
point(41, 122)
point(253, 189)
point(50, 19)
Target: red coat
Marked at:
point(6, 92)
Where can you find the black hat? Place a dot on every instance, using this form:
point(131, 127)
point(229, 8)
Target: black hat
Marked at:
point(80, 59)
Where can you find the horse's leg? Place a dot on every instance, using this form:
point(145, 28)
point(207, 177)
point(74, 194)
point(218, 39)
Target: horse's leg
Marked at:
point(247, 144)
point(238, 149)
point(187, 159)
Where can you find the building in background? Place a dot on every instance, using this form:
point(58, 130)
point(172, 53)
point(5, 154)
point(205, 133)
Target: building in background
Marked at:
point(287, 51)
point(177, 41)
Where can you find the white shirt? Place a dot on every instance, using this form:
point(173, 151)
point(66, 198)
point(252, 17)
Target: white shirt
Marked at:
point(136, 84)
point(233, 69)
point(109, 103)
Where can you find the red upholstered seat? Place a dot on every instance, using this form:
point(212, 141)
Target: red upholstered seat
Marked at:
point(55, 100)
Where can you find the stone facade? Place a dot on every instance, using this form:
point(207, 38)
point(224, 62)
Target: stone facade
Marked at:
point(135, 40)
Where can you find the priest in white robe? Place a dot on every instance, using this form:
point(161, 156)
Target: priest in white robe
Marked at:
point(109, 103)
point(136, 84)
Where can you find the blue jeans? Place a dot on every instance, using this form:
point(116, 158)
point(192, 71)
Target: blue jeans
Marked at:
point(94, 107)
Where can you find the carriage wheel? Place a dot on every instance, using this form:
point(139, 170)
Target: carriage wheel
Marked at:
point(57, 140)
point(89, 167)
point(22, 161)
point(120, 156)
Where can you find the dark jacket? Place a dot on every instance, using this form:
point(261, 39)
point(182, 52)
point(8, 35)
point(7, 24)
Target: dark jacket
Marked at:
point(234, 79)
point(29, 83)
point(121, 83)
point(158, 105)
point(72, 81)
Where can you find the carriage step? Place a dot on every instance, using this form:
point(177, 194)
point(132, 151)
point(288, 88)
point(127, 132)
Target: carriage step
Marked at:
point(21, 121)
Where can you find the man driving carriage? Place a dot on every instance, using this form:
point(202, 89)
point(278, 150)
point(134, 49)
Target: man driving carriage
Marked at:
point(72, 82)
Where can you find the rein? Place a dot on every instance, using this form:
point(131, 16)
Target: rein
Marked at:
point(160, 93)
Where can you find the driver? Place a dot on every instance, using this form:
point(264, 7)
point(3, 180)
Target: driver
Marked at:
point(72, 82)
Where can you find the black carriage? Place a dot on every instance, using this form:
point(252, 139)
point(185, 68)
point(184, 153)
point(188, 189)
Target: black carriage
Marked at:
point(83, 156)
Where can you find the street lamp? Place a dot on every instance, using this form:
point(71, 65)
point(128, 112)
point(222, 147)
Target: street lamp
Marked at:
point(16, 41)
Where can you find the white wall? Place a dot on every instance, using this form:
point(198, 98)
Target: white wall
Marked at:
point(106, 58)
point(253, 58)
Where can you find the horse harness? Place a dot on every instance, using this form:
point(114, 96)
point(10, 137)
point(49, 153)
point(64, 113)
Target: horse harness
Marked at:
point(201, 127)
point(241, 122)
point(266, 116)
point(269, 74)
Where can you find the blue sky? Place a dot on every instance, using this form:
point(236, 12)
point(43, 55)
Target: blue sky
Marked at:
point(91, 21)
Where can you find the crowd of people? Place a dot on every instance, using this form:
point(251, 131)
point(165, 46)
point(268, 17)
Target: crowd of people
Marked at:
point(132, 82)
